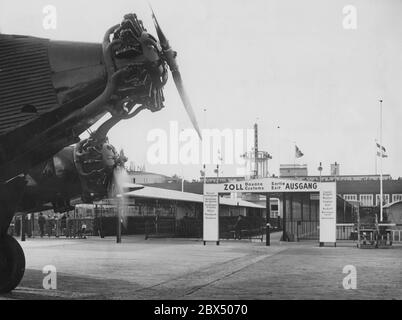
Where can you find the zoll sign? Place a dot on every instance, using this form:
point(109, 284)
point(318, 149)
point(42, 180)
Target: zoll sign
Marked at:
point(326, 191)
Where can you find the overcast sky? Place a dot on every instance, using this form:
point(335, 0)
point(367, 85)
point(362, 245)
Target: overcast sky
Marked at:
point(286, 63)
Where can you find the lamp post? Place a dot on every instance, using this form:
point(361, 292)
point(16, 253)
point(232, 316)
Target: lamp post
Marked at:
point(118, 213)
point(320, 170)
point(336, 172)
point(23, 226)
point(381, 153)
point(268, 221)
point(279, 149)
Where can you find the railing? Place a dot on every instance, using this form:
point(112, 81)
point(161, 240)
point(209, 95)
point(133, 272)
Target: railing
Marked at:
point(253, 229)
point(346, 231)
point(307, 230)
point(302, 230)
point(243, 234)
point(160, 228)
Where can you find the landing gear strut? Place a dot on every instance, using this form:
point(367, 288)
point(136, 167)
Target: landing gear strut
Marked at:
point(12, 263)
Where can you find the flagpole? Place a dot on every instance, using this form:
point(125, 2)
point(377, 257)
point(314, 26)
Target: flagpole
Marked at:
point(381, 185)
point(375, 160)
point(294, 162)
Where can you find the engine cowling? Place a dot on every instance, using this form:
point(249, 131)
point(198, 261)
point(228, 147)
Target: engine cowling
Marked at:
point(95, 161)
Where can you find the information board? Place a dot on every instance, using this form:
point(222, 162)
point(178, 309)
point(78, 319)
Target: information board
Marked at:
point(328, 213)
point(211, 216)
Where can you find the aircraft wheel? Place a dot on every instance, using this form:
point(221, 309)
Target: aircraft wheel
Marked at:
point(12, 264)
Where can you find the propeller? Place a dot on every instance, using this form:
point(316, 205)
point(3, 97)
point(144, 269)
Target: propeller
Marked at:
point(120, 183)
point(170, 57)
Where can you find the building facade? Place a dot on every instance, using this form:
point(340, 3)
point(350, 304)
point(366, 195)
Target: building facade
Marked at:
point(367, 192)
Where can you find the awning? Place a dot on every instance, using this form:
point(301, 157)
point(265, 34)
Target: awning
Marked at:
point(173, 195)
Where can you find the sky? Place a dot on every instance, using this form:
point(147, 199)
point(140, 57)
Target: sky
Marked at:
point(290, 66)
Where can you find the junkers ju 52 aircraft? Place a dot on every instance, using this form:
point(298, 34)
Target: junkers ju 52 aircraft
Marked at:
point(53, 91)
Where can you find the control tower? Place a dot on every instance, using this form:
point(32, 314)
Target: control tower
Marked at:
point(256, 160)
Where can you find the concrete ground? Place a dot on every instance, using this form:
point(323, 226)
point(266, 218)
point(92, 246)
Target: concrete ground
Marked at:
point(183, 269)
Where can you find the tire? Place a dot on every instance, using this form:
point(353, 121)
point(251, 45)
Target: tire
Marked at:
point(12, 264)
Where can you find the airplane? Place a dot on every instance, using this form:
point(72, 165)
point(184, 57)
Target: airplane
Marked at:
point(53, 91)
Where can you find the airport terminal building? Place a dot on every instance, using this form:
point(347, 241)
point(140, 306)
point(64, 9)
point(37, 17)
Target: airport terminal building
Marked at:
point(170, 207)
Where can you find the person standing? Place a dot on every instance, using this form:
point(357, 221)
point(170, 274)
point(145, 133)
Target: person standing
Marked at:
point(69, 233)
point(83, 230)
point(63, 224)
point(57, 224)
point(50, 225)
point(41, 222)
point(238, 227)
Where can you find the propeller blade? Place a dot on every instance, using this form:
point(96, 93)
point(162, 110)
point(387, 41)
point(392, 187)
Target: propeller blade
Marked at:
point(170, 57)
point(162, 39)
point(186, 101)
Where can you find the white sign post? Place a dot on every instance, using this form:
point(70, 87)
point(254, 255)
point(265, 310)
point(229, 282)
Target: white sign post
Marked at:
point(211, 217)
point(328, 213)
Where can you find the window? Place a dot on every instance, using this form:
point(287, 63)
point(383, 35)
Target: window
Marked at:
point(385, 199)
point(274, 207)
point(397, 197)
point(350, 197)
point(366, 200)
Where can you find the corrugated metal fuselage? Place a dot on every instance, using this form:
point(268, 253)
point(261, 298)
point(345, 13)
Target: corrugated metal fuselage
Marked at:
point(41, 83)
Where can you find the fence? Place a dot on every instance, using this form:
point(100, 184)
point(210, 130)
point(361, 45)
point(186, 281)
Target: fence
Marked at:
point(160, 228)
point(71, 227)
point(250, 228)
point(304, 230)
point(346, 231)
point(310, 230)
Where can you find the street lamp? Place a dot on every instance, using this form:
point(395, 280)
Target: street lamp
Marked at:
point(320, 170)
point(119, 200)
point(381, 156)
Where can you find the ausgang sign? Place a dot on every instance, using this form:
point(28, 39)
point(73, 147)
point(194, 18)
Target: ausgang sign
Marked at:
point(269, 185)
point(327, 198)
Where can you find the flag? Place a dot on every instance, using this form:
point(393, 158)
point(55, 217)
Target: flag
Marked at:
point(203, 171)
point(298, 153)
point(383, 155)
point(380, 147)
point(381, 151)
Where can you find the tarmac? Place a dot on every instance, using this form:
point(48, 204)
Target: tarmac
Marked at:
point(154, 269)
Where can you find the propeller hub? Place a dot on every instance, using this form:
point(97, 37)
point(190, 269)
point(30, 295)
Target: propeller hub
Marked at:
point(142, 54)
